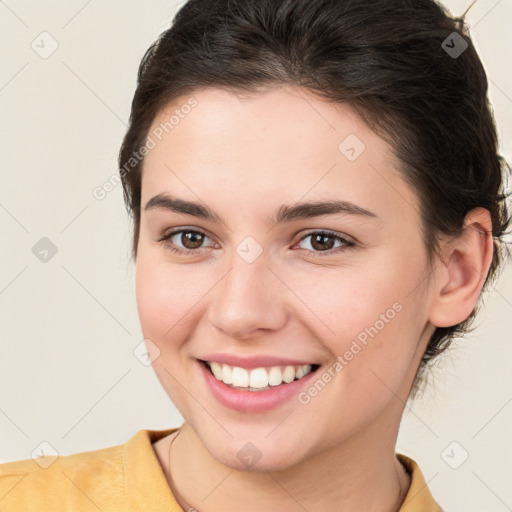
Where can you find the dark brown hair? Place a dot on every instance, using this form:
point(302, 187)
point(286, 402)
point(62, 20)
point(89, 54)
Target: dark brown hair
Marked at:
point(394, 61)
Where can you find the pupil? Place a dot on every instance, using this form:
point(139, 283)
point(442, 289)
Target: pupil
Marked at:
point(189, 237)
point(322, 242)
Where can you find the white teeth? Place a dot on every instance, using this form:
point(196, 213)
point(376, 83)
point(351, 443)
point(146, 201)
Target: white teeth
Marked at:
point(217, 370)
point(227, 374)
point(240, 377)
point(275, 377)
point(289, 374)
point(257, 378)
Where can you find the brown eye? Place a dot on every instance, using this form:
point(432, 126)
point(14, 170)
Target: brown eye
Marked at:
point(189, 241)
point(323, 242)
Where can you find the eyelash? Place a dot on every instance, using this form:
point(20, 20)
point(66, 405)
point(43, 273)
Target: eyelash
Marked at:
point(348, 244)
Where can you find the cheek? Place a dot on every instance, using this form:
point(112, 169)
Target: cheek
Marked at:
point(161, 296)
point(367, 320)
point(152, 295)
point(372, 351)
point(165, 306)
point(168, 298)
point(347, 300)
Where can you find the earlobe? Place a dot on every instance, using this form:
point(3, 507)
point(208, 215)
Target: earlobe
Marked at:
point(466, 262)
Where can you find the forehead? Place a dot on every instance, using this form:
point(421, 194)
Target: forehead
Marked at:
point(284, 142)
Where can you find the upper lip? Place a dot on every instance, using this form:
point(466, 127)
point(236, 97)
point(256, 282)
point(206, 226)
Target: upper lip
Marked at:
point(253, 361)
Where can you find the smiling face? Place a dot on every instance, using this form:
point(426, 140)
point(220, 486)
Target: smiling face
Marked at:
point(269, 284)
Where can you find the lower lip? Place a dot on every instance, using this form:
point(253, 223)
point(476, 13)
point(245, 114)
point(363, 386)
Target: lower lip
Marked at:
point(253, 401)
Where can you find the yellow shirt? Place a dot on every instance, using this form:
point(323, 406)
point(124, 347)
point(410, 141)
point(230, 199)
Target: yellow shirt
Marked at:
point(126, 477)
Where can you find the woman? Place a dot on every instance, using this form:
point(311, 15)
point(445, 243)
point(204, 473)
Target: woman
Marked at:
point(317, 205)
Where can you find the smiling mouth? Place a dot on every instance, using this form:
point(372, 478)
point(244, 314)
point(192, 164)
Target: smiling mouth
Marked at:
point(258, 379)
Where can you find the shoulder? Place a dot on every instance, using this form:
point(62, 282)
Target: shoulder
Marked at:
point(42, 483)
point(123, 477)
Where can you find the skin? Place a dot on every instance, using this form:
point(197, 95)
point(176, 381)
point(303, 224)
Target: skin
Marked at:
point(338, 451)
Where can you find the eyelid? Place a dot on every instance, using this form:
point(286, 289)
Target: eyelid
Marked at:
point(187, 229)
point(328, 232)
point(347, 241)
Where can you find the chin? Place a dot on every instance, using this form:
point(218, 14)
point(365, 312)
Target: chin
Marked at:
point(259, 456)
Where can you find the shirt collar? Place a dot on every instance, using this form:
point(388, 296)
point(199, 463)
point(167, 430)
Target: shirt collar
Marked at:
point(144, 481)
point(419, 497)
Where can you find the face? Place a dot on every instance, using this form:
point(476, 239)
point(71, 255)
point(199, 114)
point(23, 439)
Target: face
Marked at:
point(264, 283)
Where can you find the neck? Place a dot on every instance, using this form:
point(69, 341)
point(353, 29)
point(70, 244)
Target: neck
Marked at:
point(355, 475)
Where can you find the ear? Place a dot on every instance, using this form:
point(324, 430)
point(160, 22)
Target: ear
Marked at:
point(461, 274)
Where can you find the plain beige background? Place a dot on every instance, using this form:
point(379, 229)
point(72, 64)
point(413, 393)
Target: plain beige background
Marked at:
point(69, 326)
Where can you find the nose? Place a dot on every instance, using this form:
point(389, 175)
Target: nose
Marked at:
point(249, 298)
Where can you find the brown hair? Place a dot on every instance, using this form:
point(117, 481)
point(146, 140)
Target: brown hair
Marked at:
point(406, 66)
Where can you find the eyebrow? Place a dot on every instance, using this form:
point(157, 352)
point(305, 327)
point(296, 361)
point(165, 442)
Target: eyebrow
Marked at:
point(286, 213)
